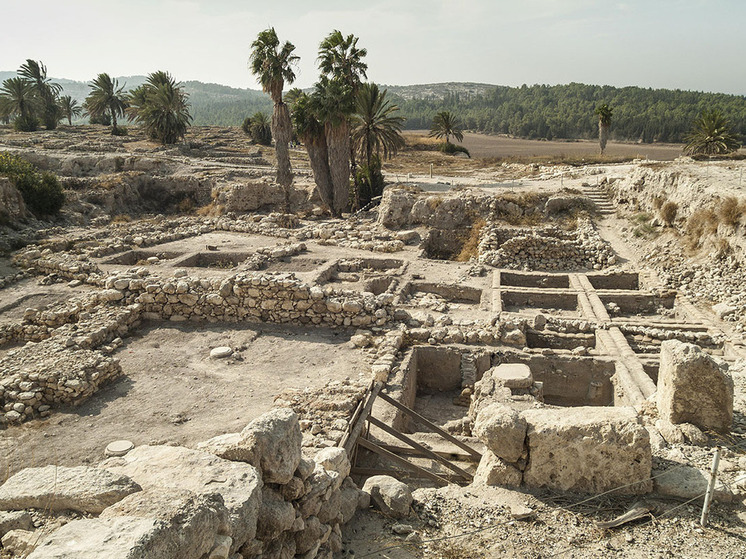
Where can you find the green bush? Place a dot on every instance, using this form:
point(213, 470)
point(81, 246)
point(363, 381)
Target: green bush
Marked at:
point(452, 149)
point(26, 123)
point(119, 131)
point(370, 181)
point(103, 118)
point(41, 192)
point(259, 128)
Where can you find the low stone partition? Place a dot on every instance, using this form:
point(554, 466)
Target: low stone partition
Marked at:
point(250, 495)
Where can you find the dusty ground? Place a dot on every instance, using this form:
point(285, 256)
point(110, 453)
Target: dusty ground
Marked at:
point(172, 392)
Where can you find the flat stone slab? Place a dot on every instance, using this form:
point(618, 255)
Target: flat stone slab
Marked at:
point(513, 375)
point(119, 448)
point(57, 488)
point(221, 352)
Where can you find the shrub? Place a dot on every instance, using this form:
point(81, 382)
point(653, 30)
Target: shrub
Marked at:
point(259, 128)
point(668, 212)
point(701, 223)
point(41, 192)
point(119, 131)
point(730, 210)
point(26, 123)
point(451, 149)
point(103, 118)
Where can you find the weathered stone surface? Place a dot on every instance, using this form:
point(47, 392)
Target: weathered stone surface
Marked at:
point(123, 537)
point(190, 522)
point(502, 430)
point(492, 471)
point(693, 388)
point(271, 442)
point(392, 497)
point(334, 459)
point(687, 482)
point(513, 375)
point(275, 516)
point(19, 542)
point(56, 488)
point(203, 473)
point(590, 449)
point(15, 520)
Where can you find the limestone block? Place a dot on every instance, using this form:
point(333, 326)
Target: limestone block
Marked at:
point(19, 543)
point(202, 473)
point(15, 520)
point(502, 430)
point(589, 449)
point(687, 482)
point(392, 497)
point(513, 375)
point(275, 516)
point(493, 471)
point(58, 488)
point(693, 388)
point(334, 459)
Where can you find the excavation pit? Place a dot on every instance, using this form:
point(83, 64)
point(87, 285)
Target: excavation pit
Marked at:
point(624, 280)
point(634, 303)
point(541, 281)
point(452, 293)
point(216, 259)
point(291, 264)
point(553, 303)
point(443, 244)
point(142, 257)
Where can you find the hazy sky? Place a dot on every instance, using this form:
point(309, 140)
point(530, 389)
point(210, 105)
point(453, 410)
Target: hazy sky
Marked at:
point(685, 44)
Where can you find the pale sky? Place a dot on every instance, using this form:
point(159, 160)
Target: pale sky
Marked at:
point(683, 44)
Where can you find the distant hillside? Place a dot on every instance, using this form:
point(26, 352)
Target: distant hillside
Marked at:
point(537, 111)
point(212, 104)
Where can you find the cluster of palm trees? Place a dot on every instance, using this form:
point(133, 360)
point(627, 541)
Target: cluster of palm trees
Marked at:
point(160, 105)
point(31, 99)
point(343, 120)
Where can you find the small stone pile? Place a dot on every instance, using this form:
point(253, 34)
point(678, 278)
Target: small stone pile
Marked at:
point(547, 248)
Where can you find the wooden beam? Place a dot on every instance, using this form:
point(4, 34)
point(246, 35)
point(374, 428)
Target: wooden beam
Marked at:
point(430, 425)
point(406, 451)
point(414, 444)
point(401, 461)
point(367, 472)
point(349, 443)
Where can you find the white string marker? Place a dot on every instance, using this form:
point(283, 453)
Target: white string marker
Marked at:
point(710, 488)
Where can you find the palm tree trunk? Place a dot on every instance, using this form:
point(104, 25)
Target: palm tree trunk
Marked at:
point(603, 135)
point(282, 131)
point(338, 143)
point(318, 156)
point(114, 123)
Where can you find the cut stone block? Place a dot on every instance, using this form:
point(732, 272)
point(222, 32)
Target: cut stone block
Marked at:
point(589, 449)
point(502, 430)
point(513, 375)
point(693, 388)
point(494, 471)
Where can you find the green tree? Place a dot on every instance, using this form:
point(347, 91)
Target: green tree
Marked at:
point(445, 124)
point(711, 135)
point(46, 91)
point(311, 132)
point(340, 59)
point(259, 127)
point(18, 103)
point(106, 98)
point(70, 108)
point(604, 113)
point(333, 104)
point(161, 106)
point(273, 65)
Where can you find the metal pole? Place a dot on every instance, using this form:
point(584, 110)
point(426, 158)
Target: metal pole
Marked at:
point(710, 488)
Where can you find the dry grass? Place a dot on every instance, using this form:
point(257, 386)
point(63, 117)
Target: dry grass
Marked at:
point(470, 249)
point(121, 218)
point(730, 211)
point(668, 212)
point(700, 224)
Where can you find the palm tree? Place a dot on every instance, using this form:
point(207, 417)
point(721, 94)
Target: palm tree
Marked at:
point(332, 103)
point(106, 97)
point(70, 108)
point(273, 65)
point(311, 132)
point(47, 91)
point(376, 129)
point(604, 123)
point(260, 128)
point(161, 106)
point(711, 135)
point(445, 124)
point(18, 102)
point(340, 58)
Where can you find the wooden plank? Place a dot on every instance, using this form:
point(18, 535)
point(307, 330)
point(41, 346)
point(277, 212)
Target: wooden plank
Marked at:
point(367, 472)
point(406, 451)
point(349, 443)
point(430, 425)
point(414, 444)
point(399, 460)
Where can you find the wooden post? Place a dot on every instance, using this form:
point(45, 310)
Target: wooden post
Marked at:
point(710, 488)
point(431, 170)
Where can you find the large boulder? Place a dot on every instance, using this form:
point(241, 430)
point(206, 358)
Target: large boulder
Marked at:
point(493, 471)
point(589, 449)
point(173, 467)
point(275, 516)
point(189, 523)
point(502, 430)
point(83, 489)
point(271, 442)
point(389, 495)
point(693, 388)
point(688, 482)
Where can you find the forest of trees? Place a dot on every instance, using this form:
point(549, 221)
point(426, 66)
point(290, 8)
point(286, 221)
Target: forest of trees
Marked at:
point(567, 111)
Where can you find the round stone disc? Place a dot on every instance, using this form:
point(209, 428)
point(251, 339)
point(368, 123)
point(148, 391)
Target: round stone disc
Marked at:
point(220, 352)
point(119, 448)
